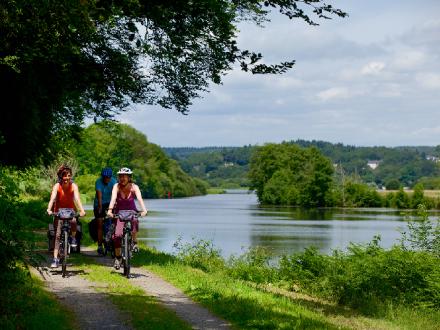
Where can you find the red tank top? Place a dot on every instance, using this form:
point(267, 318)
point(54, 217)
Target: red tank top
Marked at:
point(65, 198)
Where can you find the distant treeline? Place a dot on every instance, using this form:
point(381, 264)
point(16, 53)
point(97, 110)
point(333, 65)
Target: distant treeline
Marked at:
point(397, 167)
point(287, 174)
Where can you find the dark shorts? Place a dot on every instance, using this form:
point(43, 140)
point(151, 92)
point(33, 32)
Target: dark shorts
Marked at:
point(103, 212)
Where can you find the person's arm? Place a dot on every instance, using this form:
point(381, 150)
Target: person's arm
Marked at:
point(78, 200)
point(113, 200)
point(140, 200)
point(53, 196)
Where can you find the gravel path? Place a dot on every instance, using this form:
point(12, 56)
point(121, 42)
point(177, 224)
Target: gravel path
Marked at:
point(197, 316)
point(94, 310)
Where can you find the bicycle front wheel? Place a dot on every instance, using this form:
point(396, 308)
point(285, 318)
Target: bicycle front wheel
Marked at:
point(66, 252)
point(127, 254)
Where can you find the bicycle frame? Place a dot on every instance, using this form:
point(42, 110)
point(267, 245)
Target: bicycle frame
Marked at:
point(127, 243)
point(64, 218)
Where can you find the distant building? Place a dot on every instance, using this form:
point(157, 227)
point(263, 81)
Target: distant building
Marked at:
point(433, 158)
point(373, 164)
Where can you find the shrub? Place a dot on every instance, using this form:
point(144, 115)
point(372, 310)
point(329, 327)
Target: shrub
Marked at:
point(367, 277)
point(199, 254)
point(254, 266)
point(422, 234)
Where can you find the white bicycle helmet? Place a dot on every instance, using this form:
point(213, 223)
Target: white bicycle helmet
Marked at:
point(125, 170)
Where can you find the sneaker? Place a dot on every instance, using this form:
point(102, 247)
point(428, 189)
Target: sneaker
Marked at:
point(54, 263)
point(73, 242)
point(117, 264)
point(135, 248)
point(100, 249)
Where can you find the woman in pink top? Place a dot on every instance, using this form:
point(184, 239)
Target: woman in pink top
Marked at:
point(123, 198)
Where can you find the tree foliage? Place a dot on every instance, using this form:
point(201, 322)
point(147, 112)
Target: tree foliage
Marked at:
point(61, 61)
point(119, 145)
point(290, 175)
point(398, 166)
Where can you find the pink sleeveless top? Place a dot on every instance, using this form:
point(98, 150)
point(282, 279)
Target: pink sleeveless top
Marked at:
point(126, 203)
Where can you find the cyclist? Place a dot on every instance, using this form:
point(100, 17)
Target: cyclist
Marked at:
point(103, 187)
point(65, 194)
point(123, 198)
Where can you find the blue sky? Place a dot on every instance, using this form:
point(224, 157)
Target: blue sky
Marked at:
point(370, 79)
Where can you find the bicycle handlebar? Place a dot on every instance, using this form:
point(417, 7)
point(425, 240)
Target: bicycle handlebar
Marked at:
point(66, 214)
point(126, 214)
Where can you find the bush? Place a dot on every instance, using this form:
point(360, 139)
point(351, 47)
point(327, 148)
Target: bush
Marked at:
point(304, 268)
point(422, 234)
point(199, 254)
point(367, 277)
point(253, 266)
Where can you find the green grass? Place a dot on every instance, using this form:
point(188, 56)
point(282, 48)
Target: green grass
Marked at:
point(251, 306)
point(214, 191)
point(25, 304)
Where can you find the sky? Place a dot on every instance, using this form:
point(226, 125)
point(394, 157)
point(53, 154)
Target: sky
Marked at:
point(370, 79)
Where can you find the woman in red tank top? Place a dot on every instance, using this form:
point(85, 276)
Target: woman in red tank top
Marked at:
point(65, 194)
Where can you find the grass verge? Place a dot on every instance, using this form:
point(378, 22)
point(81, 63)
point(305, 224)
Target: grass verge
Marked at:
point(251, 306)
point(25, 304)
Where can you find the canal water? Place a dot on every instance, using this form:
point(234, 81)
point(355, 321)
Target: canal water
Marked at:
point(234, 222)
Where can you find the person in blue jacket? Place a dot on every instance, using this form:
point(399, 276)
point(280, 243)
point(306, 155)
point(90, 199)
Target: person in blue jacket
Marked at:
point(103, 187)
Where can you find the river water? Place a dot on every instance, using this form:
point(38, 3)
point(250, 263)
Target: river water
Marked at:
point(235, 222)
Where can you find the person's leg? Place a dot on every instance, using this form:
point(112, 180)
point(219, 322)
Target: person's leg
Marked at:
point(99, 224)
point(117, 242)
point(56, 247)
point(73, 228)
point(134, 231)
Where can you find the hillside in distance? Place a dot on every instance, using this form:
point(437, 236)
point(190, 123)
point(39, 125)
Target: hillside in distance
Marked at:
point(228, 166)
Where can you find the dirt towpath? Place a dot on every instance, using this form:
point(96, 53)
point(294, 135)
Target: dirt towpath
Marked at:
point(197, 316)
point(94, 310)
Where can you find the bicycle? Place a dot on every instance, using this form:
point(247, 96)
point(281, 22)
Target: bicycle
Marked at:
point(65, 215)
point(127, 216)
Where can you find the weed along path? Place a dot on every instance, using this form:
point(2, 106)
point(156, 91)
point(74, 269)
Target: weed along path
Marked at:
point(174, 299)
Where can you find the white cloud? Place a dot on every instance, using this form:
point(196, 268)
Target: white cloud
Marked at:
point(334, 93)
point(429, 80)
point(353, 82)
point(409, 59)
point(373, 68)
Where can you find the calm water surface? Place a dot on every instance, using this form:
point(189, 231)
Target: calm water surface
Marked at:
point(235, 222)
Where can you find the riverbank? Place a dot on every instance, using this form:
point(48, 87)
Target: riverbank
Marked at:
point(247, 304)
point(250, 293)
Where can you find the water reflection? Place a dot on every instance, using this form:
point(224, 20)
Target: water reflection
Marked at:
point(235, 222)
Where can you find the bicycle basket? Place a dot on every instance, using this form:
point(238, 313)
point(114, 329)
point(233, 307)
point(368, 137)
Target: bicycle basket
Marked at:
point(66, 213)
point(126, 215)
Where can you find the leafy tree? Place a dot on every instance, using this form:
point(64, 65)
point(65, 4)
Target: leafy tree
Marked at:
point(61, 61)
point(118, 145)
point(401, 200)
point(288, 174)
point(392, 184)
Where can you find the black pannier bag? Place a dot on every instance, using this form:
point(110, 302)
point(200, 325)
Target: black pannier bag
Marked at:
point(93, 229)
